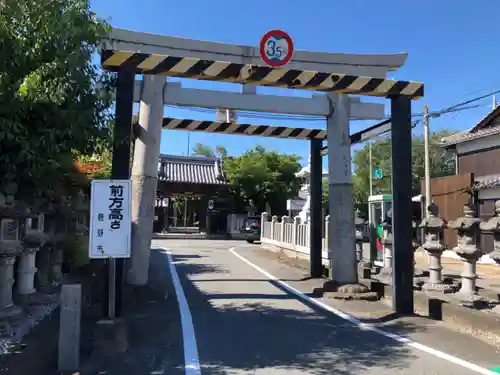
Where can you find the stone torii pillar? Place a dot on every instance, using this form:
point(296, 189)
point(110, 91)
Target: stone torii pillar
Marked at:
point(341, 231)
point(144, 176)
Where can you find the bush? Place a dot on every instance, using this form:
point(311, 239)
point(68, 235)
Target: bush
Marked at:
point(76, 251)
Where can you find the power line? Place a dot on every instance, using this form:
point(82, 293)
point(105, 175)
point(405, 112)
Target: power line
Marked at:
point(453, 107)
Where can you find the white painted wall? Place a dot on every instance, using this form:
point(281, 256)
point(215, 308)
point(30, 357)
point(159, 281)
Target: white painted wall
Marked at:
point(478, 144)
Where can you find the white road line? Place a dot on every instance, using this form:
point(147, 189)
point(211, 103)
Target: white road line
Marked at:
point(365, 326)
point(191, 359)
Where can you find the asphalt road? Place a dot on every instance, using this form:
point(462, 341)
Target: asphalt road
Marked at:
point(235, 320)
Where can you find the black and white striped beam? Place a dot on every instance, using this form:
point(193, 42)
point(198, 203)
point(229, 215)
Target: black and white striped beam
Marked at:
point(189, 67)
point(242, 129)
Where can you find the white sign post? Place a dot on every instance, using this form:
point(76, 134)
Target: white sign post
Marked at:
point(110, 227)
point(110, 220)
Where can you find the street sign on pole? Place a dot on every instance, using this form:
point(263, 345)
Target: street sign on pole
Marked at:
point(211, 204)
point(276, 48)
point(110, 219)
point(378, 173)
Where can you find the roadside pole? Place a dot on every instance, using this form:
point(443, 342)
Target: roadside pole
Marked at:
point(120, 170)
point(428, 196)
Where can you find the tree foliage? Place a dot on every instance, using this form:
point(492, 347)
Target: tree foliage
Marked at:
point(50, 105)
point(204, 150)
point(441, 164)
point(258, 176)
point(264, 176)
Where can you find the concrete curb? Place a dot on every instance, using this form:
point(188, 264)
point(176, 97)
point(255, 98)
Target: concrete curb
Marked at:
point(484, 324)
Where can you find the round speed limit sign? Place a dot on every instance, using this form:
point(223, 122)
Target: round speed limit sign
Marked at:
point(276, 48)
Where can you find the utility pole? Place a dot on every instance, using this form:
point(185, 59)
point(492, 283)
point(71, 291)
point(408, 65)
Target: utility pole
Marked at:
point(428, 196)
point(370, 166)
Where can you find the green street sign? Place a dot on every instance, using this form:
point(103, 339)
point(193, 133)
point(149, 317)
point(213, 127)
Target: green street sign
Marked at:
point(378, 173)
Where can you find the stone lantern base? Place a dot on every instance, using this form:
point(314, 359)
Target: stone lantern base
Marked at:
point(441, 287)
point(9, 250)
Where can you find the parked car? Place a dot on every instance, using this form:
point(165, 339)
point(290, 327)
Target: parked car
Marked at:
point(251, 229)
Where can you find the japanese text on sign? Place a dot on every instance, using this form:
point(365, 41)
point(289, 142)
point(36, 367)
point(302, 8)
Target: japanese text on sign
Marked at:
point(110, 221)
point(115, 206)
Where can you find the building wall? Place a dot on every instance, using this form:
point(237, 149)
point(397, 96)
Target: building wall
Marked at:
point(482, 163)
point(450, 193)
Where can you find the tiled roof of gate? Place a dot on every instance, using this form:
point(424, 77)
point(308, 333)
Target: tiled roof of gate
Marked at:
point(191, 169)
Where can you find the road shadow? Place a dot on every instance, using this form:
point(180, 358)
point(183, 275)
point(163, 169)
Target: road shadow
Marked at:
point(234, 333)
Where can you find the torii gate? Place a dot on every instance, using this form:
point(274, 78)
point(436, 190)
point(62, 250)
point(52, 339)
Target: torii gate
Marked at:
point(129, 53)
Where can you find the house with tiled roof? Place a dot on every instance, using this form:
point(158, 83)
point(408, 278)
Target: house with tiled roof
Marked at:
point(478, 152)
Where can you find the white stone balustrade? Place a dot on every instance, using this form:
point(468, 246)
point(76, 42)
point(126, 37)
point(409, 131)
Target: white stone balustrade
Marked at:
point(290, 235)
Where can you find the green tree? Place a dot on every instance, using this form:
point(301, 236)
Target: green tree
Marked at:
point(441, 163)
point(201, 149)
point(204, 150)
point(51, 105)
point(264, 176)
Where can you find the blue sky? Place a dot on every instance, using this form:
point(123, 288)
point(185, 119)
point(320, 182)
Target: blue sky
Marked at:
point(452, 47)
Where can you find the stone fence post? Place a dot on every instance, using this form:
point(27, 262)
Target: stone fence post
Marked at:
point(295, 229)
point(284, 220)
point(274, 221)
point(467, 248)
point(263, 220)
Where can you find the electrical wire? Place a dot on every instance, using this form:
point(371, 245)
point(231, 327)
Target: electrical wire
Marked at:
point(453, 107)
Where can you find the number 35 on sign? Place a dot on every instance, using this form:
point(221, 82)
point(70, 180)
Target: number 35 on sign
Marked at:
point(276, 48)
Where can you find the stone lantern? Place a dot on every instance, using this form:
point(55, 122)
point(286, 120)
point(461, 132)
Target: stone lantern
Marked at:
point(467, 249)
point(32, 241)
point(11, 212)
point(492, 226)
point(433, 227)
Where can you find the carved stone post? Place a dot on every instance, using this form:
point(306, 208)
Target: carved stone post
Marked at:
point(416, 245)
point(434, 245)
point(57, 258)
point(492, 226)
point(42, 276)
point(386, 270)
point(26, 271)
point(467, 248)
